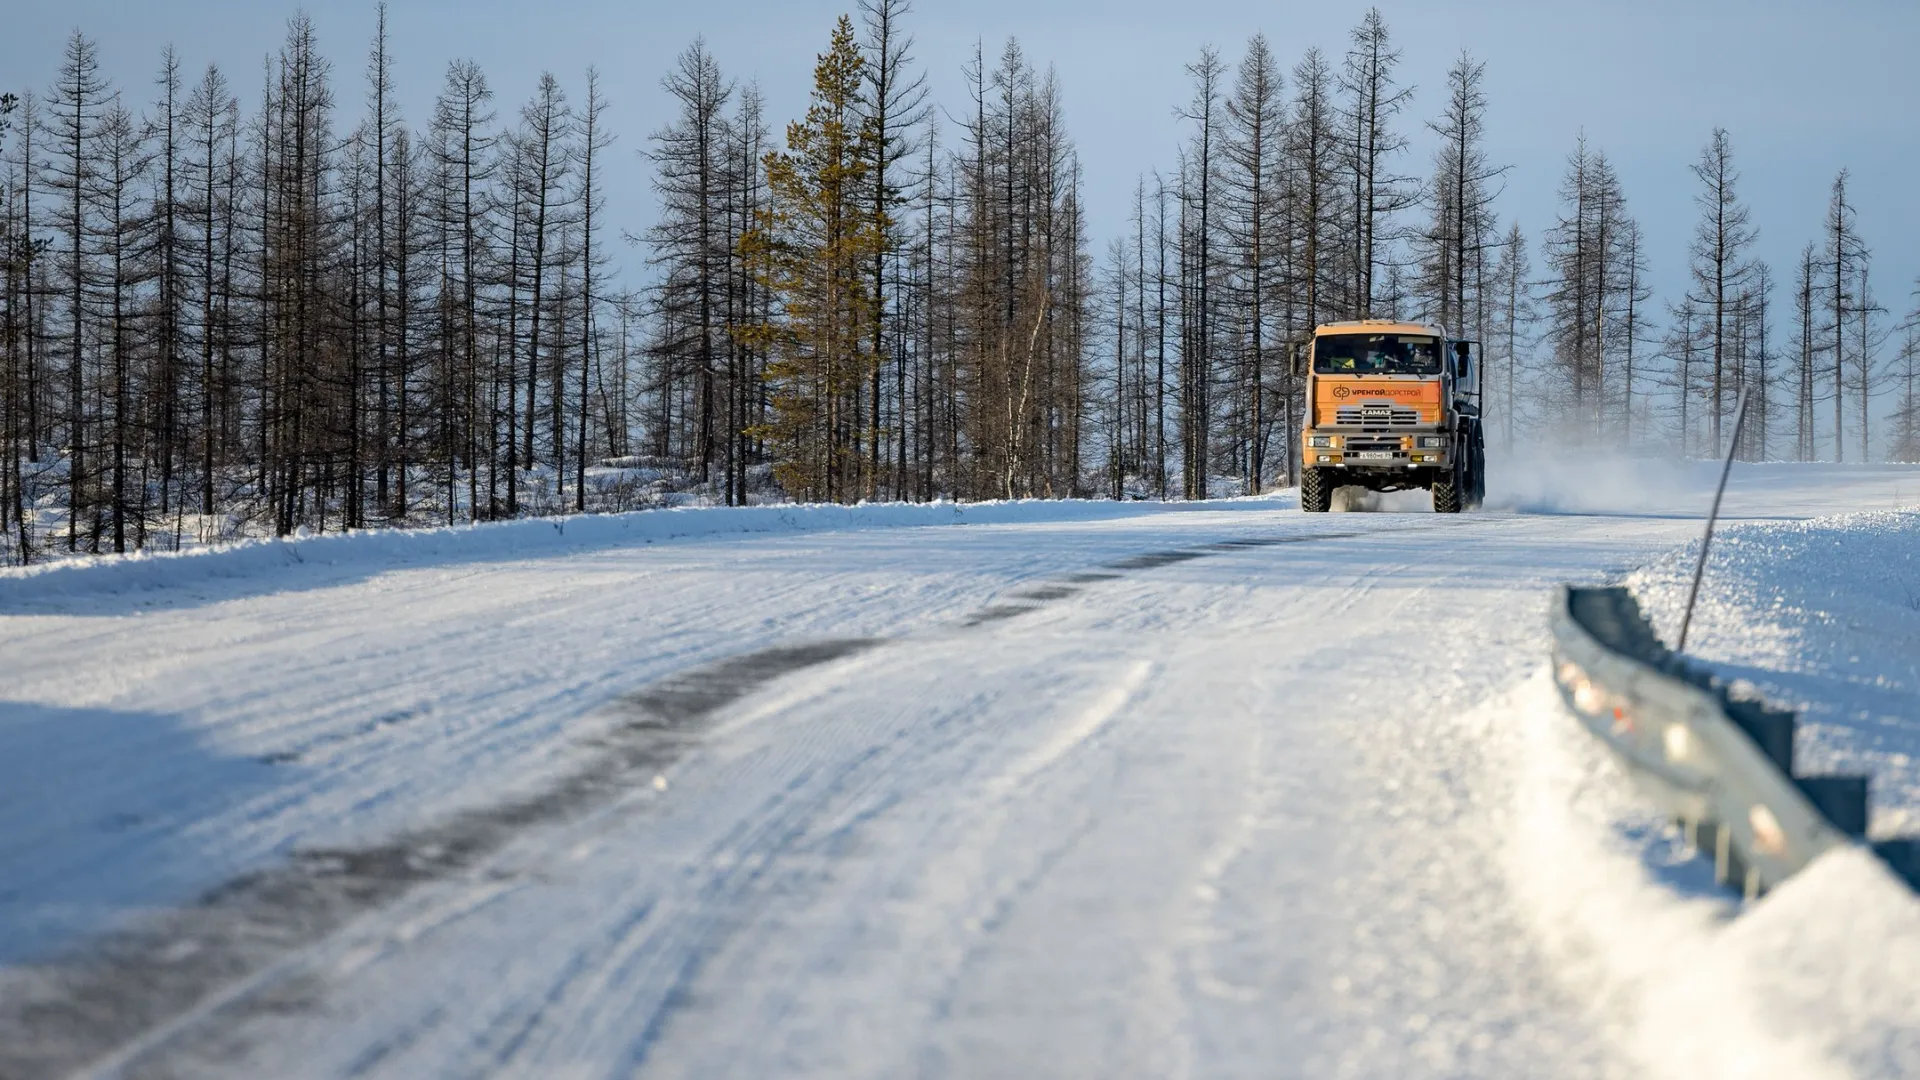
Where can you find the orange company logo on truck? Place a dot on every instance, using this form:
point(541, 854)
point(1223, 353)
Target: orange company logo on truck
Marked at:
point(1414, 392)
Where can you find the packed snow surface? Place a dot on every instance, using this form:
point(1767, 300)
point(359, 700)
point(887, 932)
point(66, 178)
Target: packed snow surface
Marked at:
point(1080, 789)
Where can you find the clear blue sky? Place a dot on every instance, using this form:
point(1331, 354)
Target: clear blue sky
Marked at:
point(1804, 87)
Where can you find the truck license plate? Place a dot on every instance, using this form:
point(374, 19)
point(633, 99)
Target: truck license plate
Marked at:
point(1375, 455)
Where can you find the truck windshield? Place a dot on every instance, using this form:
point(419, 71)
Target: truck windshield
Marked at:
point(1376, 354)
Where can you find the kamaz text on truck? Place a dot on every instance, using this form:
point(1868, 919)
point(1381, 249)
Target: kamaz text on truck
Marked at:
point(1391, 406)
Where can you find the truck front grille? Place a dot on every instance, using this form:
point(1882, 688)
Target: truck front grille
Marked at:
point(1355, 445)
point(1377, 415)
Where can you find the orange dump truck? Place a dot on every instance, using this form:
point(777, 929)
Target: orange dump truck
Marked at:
point(1391, 406)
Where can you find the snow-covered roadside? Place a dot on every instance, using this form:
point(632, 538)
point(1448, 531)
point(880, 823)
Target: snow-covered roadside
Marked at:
point(1822, 616)
point(1822, 977)
point(373, 550)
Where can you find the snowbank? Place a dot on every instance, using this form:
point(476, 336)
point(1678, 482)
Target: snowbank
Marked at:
point(1822, 977)
point(1819, 979)
point(24, 586)
point(1822, 616)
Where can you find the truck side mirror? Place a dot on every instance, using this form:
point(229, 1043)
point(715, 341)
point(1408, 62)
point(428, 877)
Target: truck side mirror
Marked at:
point(1462, 360)
point(1299, 359)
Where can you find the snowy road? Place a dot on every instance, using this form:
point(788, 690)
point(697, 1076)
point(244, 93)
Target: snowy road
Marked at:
point(1204, 792)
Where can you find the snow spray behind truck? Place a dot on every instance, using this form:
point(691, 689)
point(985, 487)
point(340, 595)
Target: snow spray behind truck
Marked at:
point(1391, 406)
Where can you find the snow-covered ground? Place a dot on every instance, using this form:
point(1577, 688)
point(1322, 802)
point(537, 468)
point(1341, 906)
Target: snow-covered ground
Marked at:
point(1822, 978)
point(1822, 616)
point(1073, 789)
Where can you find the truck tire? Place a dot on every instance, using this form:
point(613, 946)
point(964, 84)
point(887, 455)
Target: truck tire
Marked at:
point(1316, 495)
point(1447, 492)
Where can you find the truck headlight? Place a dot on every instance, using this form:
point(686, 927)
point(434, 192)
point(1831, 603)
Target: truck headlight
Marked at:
point(1320, 442)
point(1431, 442)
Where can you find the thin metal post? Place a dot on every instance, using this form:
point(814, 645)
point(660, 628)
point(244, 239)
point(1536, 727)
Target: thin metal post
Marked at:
point(1700, 568)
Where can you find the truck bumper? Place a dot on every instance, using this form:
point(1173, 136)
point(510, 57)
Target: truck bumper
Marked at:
point(1377, 477)
point(1401, 460)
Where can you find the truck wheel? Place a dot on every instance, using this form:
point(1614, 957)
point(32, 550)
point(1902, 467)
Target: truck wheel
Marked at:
point(1316, 495)
point(1447, 493)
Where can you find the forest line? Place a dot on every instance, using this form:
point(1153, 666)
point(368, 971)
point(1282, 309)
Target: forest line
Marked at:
point(313, 315)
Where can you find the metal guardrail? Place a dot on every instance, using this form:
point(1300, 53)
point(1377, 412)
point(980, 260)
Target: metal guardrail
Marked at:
point(1720, 766)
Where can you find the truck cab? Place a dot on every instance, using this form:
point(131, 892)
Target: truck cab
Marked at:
point(1391, 406)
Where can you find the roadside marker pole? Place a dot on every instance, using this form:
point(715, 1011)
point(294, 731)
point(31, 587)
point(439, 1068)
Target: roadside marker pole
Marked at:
point(1700, 568)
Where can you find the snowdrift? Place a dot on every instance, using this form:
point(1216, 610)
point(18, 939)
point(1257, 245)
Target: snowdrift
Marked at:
point(1822, 977)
